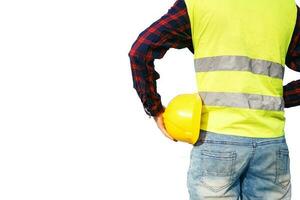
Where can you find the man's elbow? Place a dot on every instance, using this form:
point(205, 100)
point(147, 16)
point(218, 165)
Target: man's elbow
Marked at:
point(132, 53)
point(139, 48)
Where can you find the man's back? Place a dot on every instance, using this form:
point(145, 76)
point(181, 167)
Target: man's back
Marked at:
point(239, 50)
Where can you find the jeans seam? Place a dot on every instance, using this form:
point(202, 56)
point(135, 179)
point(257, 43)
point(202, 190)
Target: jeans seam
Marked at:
point(227, 142)
point(243, 143)
point(277, 169)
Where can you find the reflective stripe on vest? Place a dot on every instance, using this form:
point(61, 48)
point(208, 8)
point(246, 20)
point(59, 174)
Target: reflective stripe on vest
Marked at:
point(239, 63)
point(243, 100)
point(239, 51)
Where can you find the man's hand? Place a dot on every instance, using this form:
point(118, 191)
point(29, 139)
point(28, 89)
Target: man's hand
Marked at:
point(160, 123)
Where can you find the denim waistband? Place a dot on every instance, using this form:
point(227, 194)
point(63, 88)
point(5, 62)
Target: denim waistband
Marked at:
point(218, 138)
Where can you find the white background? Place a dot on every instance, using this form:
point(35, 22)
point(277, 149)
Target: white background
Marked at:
point(71, 124)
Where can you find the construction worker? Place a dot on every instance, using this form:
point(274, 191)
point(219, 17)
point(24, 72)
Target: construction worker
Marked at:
point(241, 152)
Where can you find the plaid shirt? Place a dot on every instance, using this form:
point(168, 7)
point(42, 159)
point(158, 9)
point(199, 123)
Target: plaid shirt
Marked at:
point(173, 30)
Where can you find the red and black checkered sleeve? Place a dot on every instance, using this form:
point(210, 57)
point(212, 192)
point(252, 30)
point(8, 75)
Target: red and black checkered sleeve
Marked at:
point(172, 30)
point(291, 91)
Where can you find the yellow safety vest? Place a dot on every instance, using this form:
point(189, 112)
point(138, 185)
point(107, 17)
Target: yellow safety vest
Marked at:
point(239, 54)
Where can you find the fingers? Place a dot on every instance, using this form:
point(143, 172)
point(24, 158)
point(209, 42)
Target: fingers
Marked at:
point(160, 123)
point(166, 133)
point(165, 130)
point(161, 126)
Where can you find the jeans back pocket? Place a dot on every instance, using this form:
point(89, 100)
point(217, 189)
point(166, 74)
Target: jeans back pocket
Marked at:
point(215, 168)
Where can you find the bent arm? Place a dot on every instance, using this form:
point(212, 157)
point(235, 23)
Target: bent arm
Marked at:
point(291, 91)
point(172, 30)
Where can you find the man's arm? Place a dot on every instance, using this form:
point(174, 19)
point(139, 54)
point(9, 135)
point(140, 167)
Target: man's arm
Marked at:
point(172, 30)
point(291, 91)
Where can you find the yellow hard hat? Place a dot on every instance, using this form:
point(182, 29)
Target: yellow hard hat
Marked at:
point(182, 117)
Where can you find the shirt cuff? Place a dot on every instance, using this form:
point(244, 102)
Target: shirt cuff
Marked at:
point(155, 111)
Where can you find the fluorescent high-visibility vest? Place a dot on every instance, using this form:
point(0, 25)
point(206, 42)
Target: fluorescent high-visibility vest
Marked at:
point(239, 50)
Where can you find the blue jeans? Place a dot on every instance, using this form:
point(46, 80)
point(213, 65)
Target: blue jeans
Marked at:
point(231, 167)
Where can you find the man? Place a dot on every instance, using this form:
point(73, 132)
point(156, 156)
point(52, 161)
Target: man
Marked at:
point(241, 152)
